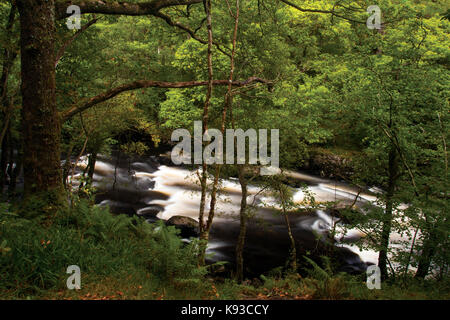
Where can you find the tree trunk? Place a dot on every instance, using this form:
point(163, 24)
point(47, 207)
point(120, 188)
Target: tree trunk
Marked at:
point(428, 251)
point(86, 182)
point(4, 159)
point(8, 57)
point(91, 164)
point(10, 165)
point(242, 228)
point(8, 60)
point(41, 123)
point(293, 253)
point(15, 172)
point(204, 232)
point(387, 218)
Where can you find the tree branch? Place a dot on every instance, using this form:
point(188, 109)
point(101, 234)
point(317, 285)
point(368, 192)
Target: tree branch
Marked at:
point(332, 12)
point(293, 5)
point(132, 9)
point(191, 33)
point(71, 39)
point(65, 115)
point(116, 7)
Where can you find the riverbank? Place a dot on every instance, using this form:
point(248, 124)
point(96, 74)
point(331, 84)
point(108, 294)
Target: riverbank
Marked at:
point(126, 258)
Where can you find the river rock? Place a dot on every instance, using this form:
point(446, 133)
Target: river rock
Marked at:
point(187, 226)
point(149, 212)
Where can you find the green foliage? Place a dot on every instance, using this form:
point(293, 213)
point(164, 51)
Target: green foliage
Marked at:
point(35, 256)
point(44, 204)
point(174, 260)
point(326, 286)
point(134, 148)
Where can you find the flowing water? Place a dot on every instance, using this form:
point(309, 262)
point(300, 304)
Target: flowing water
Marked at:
point(157, 191)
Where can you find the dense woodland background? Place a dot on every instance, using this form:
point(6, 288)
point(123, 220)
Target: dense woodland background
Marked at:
point(375, 100)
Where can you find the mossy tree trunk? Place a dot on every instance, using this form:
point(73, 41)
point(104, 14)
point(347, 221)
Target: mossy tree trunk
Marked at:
point(428, 251)
point(41, 122)
point(388, 214)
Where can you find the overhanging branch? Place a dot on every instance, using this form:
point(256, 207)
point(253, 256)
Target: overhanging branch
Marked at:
point(86, 104)
point(118, 7)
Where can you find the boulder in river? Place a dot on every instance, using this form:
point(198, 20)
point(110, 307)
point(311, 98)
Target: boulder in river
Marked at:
point(187, 226)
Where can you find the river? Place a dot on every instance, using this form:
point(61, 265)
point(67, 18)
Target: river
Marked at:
point(156, 191)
